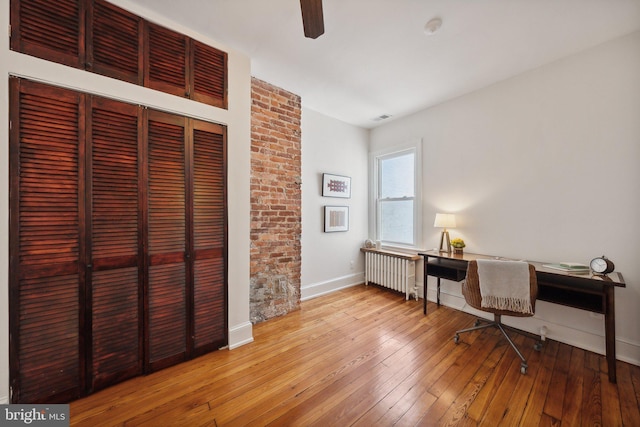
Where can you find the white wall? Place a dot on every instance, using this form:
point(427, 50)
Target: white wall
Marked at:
point(332, 146)
point(544, 166)
point(237, 118)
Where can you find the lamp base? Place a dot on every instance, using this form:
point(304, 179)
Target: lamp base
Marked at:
point(443, 235)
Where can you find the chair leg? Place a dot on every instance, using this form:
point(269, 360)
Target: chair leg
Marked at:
point(477, 326)
point(498, 324)
point(523, 363)
point(513, 345)
point(537, 346)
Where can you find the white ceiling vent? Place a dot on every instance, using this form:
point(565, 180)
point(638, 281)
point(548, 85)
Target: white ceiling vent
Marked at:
point(382, 117)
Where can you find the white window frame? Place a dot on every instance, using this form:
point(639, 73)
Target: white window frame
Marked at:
point(415, 147)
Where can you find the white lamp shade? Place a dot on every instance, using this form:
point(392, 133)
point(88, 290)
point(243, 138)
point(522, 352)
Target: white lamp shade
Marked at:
point(445, 220)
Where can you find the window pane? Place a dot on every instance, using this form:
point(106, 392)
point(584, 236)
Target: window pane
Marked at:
point(396, 221)
point(397, 176)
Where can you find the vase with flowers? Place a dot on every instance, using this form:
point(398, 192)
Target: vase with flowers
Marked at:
point(457, 245)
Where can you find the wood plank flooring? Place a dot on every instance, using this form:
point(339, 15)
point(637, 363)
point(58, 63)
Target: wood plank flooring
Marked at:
point(366, 357)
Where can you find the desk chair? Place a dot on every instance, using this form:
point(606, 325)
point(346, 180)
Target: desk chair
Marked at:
point(471, 292)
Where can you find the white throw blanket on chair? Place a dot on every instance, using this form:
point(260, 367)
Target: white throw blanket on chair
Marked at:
point(504, 285)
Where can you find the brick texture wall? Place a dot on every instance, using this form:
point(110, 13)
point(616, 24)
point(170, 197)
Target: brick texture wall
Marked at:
point(276, 223)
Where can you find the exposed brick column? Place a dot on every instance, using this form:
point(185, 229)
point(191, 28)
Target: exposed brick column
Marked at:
point(276, 223)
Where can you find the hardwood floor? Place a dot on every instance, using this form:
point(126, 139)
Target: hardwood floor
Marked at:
point(366, 357)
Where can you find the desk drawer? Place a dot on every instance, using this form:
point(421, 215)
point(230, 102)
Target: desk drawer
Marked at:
point(577, 298)
point(446, 270)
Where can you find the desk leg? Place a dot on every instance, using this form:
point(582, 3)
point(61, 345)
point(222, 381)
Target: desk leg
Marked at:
point(610, 332)
point(424, 286)
point(424, 294)
point(438, 293)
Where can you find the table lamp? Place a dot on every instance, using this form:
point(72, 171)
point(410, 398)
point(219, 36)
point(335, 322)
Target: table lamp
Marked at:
point(445, 221)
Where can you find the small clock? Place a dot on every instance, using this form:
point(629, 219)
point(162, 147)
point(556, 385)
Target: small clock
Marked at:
point(601, 265)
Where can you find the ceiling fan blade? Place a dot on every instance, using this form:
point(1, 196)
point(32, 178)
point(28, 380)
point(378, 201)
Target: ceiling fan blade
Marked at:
point(312, 18)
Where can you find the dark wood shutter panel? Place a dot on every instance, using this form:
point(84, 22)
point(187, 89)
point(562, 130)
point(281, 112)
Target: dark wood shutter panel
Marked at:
point(114, 147)
point(115, 39)
point(209, 304)
point(52, 30)
point(167, 305)
point(100, 37)
point(166, 62)
point(49, 342)
point(209, 75)
point(115, 312)
point(48, 181)
point(45, 280)
point(209, 225)
point(209, 190)
point(166, 188)
point(118, 241)
point(167, 315)
point(115, 236)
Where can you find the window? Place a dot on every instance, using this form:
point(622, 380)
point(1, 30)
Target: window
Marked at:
point(397, 196)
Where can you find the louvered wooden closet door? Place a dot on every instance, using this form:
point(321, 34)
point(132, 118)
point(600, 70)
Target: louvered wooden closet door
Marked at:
point(115, 265)
point(167, 278)
point(166, 64)
point(52, 30)
point(209, 231)
point(118, 236)
point(209, 69)
point(114, 45)
point(46, 284)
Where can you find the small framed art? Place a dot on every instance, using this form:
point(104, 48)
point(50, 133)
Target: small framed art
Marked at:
point(336, 218)
point(336, 186)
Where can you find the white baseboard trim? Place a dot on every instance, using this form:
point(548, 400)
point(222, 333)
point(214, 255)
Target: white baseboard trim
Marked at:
point(625, 351)
point(4, 400)
point(240, 335)
point(322, 288)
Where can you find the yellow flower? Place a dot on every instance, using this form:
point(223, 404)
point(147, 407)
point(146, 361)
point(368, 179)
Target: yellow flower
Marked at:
point(457, 243)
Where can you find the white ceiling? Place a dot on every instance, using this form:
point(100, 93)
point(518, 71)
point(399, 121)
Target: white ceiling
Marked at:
point(375, 58)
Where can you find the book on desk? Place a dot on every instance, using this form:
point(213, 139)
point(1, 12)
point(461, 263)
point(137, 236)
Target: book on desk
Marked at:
point(572, 267)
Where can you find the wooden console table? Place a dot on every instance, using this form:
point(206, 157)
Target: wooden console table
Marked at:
point(589, 292)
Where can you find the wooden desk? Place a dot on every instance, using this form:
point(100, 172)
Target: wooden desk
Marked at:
point(589, 292)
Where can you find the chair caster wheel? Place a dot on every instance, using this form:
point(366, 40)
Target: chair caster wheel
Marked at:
point(456, 339)
point(537, 346)
point(523, 368)
point(476, 323)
